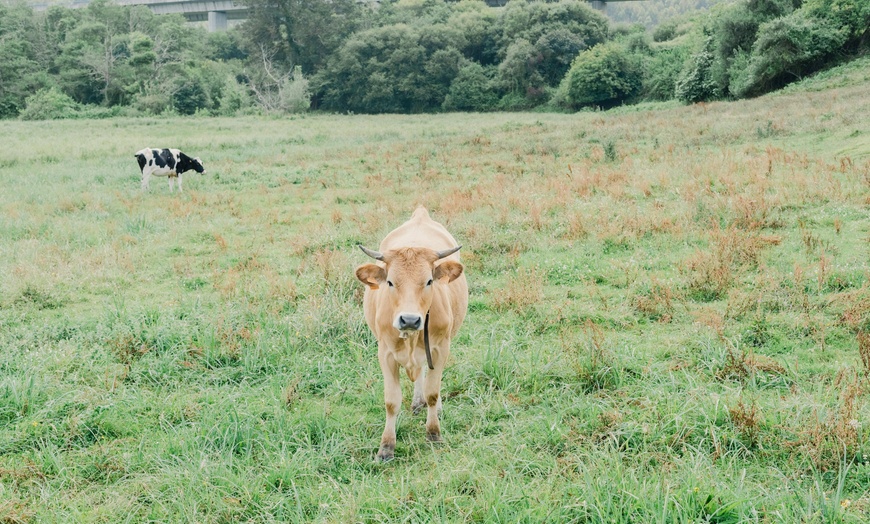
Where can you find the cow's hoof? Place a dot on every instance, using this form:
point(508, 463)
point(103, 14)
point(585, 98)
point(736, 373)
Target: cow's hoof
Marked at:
point(434, 437)
point(385, 454)
point(417, 407)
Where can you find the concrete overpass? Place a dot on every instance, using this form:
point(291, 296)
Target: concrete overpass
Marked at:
point(216, 12)
point(219, 12)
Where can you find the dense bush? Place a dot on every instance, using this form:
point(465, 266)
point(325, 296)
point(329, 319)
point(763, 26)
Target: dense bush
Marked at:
point(472, 89)
point(662, 68)
point(49, 104)
point(396, 68)
point(606, 75)
point(190, 97)
point(413, 61)
point(755, 46)
point(788, 48)
point(853, 16)
point(664, 32)
point(695, 83)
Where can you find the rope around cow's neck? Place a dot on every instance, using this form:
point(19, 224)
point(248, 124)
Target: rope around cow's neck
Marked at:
point(426, 341)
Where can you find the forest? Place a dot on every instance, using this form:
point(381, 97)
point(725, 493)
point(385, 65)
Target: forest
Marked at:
point(411, 56)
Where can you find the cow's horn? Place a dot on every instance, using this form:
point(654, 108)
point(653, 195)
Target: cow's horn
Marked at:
point(447, 252)
point(377, 255)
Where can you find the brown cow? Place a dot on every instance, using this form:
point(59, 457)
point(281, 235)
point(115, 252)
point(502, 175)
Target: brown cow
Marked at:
point(418, 274)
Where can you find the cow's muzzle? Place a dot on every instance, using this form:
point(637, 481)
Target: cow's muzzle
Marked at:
point(409, 322)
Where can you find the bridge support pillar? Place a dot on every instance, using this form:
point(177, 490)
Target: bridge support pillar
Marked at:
point(598, 5)
point(217, 21)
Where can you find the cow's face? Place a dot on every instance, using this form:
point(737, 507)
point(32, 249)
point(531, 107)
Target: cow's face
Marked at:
point(408, 279)
point(197, 166)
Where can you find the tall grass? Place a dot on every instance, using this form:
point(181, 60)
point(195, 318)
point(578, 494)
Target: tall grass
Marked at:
point(668, 317)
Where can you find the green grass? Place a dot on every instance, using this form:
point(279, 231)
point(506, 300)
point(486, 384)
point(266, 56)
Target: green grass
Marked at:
point(667, 312)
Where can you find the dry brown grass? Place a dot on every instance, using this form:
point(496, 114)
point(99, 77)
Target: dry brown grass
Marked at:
point(741, 364)
point(524, 290)
point(14, 512)
point(590, 356)
point(746, 420)
point(864, 350)
point(332, 265)
point(853, 308)
point(710, 273)
point(575, 226)
point(825, 441)
point(657, 303)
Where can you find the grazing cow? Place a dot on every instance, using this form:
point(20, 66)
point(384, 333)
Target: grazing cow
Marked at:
point(170, 163)
point(416, 290)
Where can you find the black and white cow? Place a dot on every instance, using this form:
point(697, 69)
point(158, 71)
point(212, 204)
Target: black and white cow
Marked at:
point(166, 162)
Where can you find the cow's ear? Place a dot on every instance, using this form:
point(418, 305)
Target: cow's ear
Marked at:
point(371, 275)
point(448, 271)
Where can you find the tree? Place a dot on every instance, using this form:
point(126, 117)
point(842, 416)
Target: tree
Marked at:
point(301, 33)
point(557, 49)
point(606, 75)
point(695, 84)
point(396, 68)
point(19, 66)
point(788, 48)
point(661, 71)
point(472, 89)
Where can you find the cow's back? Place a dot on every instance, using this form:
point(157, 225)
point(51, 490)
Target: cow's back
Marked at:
point(420, 231)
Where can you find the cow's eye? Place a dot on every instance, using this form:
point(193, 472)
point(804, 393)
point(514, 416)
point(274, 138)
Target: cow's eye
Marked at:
point(429, 283)
point(389, 283)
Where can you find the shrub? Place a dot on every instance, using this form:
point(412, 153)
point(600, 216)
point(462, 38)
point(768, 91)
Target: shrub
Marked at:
point(788, 48)
point(664, 32)
point(285, 94)
point(153, 103)
point(519, 69)
point(390, 69)
point(234, 97)
point(661, 72)
point(853, 16)
point(471, 90)
point(516, 102)
point(734, 30)
point(738, 73)
point(190, 97)
point(695, 83)
point(605, 75)
point(295, 94)
point(49, 104)
point(557, 49)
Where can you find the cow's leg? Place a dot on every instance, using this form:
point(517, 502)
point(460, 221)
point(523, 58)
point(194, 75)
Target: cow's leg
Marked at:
point(419, 399)
point(432, 394)
point(392, 403)
point(145, 176)
point(432, 389)
point(179, 184)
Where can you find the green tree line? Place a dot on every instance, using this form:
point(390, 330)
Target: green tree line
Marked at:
point(409, 56)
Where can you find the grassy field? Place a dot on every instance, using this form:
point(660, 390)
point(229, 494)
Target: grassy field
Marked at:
point(669, 319)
